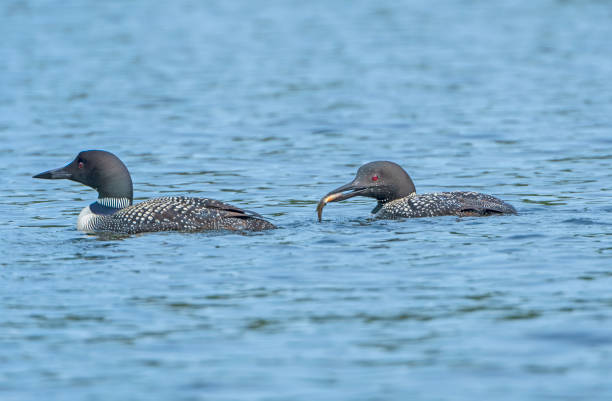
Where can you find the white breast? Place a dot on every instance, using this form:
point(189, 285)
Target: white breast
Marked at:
point(86, 220)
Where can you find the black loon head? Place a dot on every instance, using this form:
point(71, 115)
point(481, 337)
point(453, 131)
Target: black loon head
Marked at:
point(382, 180)
point(101, 170)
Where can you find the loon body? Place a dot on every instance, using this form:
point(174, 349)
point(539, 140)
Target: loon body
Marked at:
point(114, 212)
point(392, 187)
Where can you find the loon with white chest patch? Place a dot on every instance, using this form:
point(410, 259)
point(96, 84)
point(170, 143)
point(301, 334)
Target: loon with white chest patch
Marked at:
point(114, 212)
point(392, 187)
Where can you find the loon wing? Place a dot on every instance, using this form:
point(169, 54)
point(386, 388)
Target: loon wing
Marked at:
point(482, 204)
point(232, 211)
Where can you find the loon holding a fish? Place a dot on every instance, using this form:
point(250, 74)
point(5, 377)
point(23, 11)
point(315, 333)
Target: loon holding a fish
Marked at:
point(392, 187)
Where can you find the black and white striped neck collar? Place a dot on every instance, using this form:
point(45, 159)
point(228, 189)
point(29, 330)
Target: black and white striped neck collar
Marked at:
point(115, 203)
point(107, 206)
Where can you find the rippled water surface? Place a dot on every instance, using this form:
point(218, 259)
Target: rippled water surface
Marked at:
point(269, 105)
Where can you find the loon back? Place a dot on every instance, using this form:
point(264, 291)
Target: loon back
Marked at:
point(445, 204)
point(175, 213)
point(114, 212)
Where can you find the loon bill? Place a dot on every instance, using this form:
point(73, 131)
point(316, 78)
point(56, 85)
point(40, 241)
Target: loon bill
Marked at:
point(392, 187)
point(114, 212)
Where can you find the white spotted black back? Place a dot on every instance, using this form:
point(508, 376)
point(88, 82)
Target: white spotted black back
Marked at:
point(179, 213)
point(445, 204)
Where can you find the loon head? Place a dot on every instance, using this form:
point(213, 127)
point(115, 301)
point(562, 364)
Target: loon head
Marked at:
point(382, 180)
point(101, 170)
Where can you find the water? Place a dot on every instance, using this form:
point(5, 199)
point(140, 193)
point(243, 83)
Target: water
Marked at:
point(268, 106)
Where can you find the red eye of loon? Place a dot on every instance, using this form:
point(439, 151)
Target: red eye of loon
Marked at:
point(374, 178)
point(80, 164)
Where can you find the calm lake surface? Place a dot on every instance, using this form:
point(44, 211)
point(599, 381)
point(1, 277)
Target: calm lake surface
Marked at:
point(269, 105)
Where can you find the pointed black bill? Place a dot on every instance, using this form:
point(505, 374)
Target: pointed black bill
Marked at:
point(56, 174)
point(341, 193)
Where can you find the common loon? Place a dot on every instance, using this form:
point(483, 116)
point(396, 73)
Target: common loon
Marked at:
point(113, 211)
point(392, 187)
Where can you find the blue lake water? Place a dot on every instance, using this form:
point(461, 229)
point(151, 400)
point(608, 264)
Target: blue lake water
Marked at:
point(269, 105)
